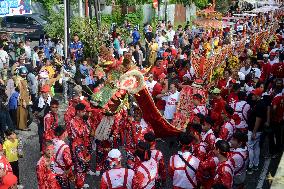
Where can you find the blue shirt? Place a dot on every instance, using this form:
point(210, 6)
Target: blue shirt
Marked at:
point(85, 71)
point(13, 101)
point(136, 36)
point(76, 46)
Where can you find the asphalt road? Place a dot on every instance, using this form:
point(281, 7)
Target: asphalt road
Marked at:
point(31, 148)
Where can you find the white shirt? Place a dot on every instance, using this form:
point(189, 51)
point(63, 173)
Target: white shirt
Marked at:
point(171, 35)
point(244, 71)
point(28, 51)
point(150, 85)
point(160, 40)
point(170, 107)
point(257, 72)
point(4, 58)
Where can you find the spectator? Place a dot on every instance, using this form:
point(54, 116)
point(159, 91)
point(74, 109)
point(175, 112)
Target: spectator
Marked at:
point(28, 50)
point(4, 62)
point(76, 48)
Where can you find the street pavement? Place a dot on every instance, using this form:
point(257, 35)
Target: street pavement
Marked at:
point(31, 149)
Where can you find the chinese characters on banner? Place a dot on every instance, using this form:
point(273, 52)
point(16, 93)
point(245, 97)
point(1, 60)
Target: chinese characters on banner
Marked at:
point(15, 7)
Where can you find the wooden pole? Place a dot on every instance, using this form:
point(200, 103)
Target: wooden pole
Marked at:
point(87, 8)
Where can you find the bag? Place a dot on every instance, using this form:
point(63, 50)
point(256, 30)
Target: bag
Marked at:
point(187, 164)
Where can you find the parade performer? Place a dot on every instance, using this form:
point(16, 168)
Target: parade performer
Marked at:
point(146, 173)
point(198, 146)
point(4, 162)
point(41, 107)
point(229, 127)
point(158, 89)
point(78, 98)
point(184, 166)
point(51, 121)
point(80, 141)
point(198, 107)
point(158, 156)
point(62, 160)
point(239, 158)
point(208, 137)
point(225, 169)
point(45, 175)
point(117, 177)
point(242, 108)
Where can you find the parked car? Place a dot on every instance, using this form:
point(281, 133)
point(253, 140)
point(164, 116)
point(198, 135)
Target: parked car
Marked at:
point(31, 24)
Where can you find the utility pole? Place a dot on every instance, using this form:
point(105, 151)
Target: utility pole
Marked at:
point(97, 12)
point(66, 29)
point(80, 4)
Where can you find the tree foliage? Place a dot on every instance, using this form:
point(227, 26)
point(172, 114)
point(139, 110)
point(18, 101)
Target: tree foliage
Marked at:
point(198, 3)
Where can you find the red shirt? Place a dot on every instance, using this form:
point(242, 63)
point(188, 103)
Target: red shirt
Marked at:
point(156, 71)
point(265, 71)
point(277, 115)
point(278, 70)
point(158, 90)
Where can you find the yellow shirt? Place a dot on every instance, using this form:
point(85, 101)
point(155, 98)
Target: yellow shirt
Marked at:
point(50, 70)
point(11, 150)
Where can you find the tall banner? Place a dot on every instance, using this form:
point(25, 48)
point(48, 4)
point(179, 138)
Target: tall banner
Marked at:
point(15, 7)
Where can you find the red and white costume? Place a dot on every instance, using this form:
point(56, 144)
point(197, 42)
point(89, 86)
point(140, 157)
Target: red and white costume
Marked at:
point(159, 157)
point(146, 175)
point(117, 178)
point(199, 150)
point(200, 109)
point(208, 171)
point(183, 176)
point(208, 139)
point(239, 159)
point(224, 174)
point(81, 149)
point(45, 176)
point(50, 124)
point(4, 164)
point(62, 162)
point(142, 128)
point(227, 130)
point(241, 108)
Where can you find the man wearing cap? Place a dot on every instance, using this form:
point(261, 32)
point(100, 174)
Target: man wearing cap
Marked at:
point(256, 123)
point(158, 70)
point(79, 135)
point(24, 99)
point(217, 106)
point(50, 121)
point(63, 163)
point(117, 176)
point(41, 108)
point(183, 165)
point(160, 87)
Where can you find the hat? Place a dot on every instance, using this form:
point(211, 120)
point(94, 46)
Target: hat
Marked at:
point(198, 83)
point(165, 54)
point(265, 55)
point(162, 76)
point(80, 106)
point(45, 89)
point(216, 91)
point(8, 181)
point(257, 92)
point(114, 154)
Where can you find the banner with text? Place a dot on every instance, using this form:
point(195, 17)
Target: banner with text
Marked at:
point(15, 7)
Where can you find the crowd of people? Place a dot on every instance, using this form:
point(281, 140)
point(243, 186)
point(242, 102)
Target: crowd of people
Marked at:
point(217, 147)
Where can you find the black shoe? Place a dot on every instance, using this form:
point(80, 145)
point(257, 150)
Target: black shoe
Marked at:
point(249, 171)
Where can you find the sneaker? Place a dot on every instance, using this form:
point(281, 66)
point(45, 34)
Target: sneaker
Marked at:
point(20, 186)
point(90, 172)
point(86, 186)
point(255, 168)
point(249, 171)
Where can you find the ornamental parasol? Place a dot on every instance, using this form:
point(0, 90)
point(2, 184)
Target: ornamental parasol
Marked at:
point(208, 23)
